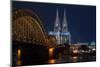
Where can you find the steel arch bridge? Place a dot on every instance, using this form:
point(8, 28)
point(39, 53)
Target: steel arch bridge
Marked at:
point(27, 27)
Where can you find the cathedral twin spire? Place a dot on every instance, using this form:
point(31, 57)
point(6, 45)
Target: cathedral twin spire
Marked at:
point(64, 24)
point(57, 25)
point(58, 29)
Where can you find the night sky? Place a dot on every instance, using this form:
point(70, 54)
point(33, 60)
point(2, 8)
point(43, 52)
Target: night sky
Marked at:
point(81, 19)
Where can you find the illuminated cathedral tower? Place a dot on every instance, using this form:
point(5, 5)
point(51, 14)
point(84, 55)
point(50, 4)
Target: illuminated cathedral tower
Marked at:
point(62, 35)
point(65, 34)
point(57, 28)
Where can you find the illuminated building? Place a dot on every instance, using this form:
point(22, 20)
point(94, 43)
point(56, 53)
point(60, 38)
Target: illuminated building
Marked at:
point(65, 34)
point(57, 29)
point(61, 33)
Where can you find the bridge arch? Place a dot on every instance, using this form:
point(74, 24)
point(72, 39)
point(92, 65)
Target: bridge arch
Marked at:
point(27, 27)
point(29, 37)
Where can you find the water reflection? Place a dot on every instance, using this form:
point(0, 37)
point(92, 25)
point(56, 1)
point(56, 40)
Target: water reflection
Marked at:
point(19, 62)
point(75, 59)
point(61, 58)
point(52, 61)
point(51, 52)
point(19, 53)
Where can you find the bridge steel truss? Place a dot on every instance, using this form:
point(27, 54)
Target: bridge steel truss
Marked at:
point(27, 27)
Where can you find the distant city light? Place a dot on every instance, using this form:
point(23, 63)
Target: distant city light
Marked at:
point(93, 43)
point(75, 51)
point(93, 49)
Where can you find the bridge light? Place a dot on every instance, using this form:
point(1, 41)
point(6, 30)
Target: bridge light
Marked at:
point(19, 53)
point(51, 51)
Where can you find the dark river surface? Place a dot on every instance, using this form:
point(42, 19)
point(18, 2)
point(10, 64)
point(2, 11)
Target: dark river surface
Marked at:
point(29, 55)
point(61, 59)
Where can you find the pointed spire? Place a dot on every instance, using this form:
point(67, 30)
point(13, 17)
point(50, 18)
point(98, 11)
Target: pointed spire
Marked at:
point(64, 25)
point(57, 14)
point(57, 22)
point(57, 28)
